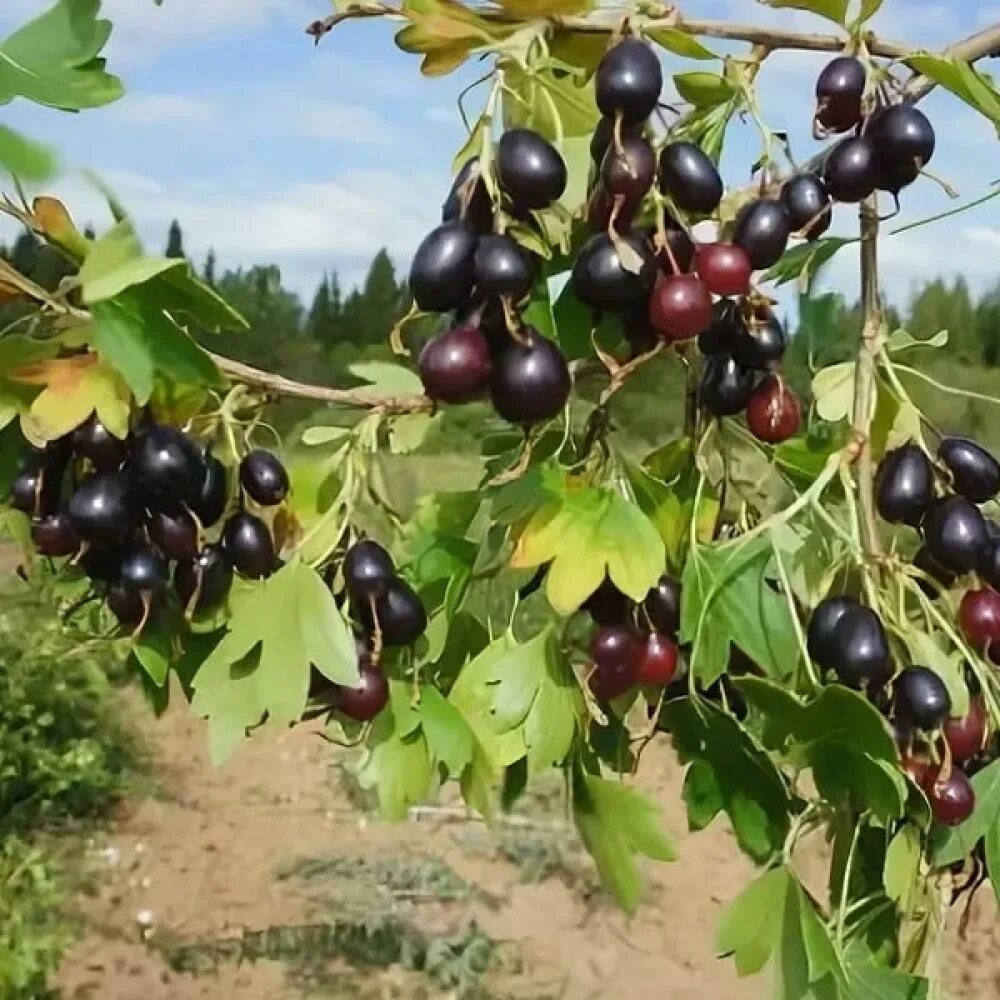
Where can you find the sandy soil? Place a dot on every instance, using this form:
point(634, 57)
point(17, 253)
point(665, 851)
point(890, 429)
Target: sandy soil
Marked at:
point(201, 861)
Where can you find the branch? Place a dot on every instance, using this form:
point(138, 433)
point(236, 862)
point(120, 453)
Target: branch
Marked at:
point(362, 398)
point(865, 373)
point(972, 49)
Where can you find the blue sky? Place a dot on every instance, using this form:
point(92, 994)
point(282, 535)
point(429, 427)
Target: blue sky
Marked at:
point(269, 149)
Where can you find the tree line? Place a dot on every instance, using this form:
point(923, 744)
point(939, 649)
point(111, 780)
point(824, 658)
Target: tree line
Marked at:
point(318, 340)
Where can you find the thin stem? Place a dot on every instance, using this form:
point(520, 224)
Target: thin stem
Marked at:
point(865, 373)
point(362, 398)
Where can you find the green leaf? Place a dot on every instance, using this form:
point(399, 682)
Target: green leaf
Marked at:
point(729, 771)
point(448, 735)
point(839, 735)
point(869, 8)
point(833, 390)
point(398, 767)
point(750, 927)
point(834, 10)
point(520, 701)
point(279, 627)
point(868, 979)
point(962, 79)
point(188, 299)
point(53, 60)
point(704, 90)
point(902, 340)
point(408, 431)
point(115, 262)
point(319, 435)
point(805, 260)
point(586, 533)
point(680, 43)
point(616, 823)
point(133, 333)
point(386, 378)
point(153, 651)
point(554, 104)
point(955, 843)
point(993, 857)
point(902, 866)
point(727, 599)
point(25, 158)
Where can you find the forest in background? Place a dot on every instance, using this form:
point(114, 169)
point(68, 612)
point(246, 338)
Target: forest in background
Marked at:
point(316, 341)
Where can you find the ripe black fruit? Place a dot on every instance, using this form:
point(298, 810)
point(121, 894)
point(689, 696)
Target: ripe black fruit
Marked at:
point(264, 478)
point(989, 563)
point(602, 282)
point(905, 142)
point(54, 536)
point(530, 169)
point(101, 564)
point(455, 366)
point(174, 534)
point(367, 569)
point(807, 202)
point(662, 605)
point(628, 82)
point(209, 575)
point(401, 616)
point(469, 199)
point(955, 533)
point(213, 493)
point(719, 337)
point(249, 545)
point(762, 229)
point(629, 172)
point(503, 268)
point(27, 490)
point(726, 386)
point(821, 642)
point(677, 255)
point(861, 650)
point(975, 472)
point(925, 562)
point(608, 605)
point(603, 136)
point(852, 172)
point(761, 343)
point(839, 90)
point(143, 569)
point(443, 269)
point(127, 605)
point(638, 331)
point(93, 441)
point(364, 702)
point(922, 700)
point(531, 380)
point(169, 469)
point(690, 178)
point(904, 485)
point(104, 509)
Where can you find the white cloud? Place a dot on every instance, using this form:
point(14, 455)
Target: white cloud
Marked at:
point(332, 120)
point(155, 109)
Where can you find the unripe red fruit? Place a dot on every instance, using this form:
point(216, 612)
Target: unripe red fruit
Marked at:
point(953, 800)
point(658, 662)
point(364, 702)
point(979, 618)
point(774, 412)
point(680, 307)
point(916, 769)
point(966, 736)
point(724, 268)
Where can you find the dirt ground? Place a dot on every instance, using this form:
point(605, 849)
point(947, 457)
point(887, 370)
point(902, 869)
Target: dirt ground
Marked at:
point(273, 839)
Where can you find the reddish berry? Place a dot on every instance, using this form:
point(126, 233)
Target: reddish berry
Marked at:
point(724, 268)
point(658, 662)
point(979, 618)
point(966, 736)
point(916, 769)
point(680, 307)
point(364, 702)
point(615, 653)
point(952, 799)
point(774, 412)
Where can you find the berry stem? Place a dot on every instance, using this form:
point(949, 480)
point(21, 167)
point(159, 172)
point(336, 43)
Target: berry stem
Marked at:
point(865, 374)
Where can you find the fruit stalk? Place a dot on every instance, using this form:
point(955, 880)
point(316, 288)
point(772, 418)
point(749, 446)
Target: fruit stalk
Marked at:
point(865, 374)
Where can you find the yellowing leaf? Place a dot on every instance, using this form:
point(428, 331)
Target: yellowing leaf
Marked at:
point(586, 534)
point(54, 221)
point(545, 8)
point(74, 389)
